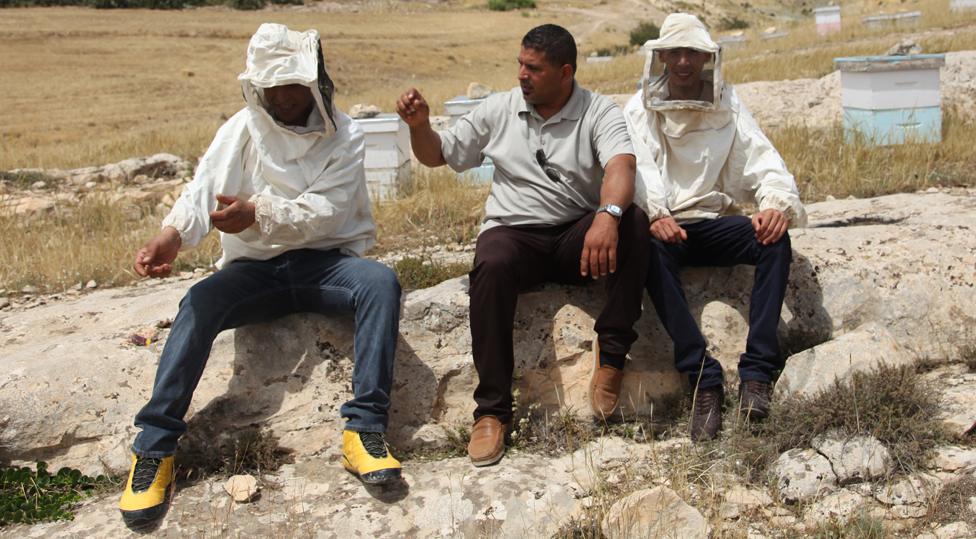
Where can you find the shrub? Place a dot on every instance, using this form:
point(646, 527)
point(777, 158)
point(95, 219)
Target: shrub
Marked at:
point(644, 31)
point(733, 23)
point(247, 5)
point(508, 5)
point(28, 496)
point(416, 272)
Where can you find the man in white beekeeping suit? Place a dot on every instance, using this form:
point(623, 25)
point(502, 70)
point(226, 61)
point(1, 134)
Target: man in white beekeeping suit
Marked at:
point(699, 154)
point(283, 182)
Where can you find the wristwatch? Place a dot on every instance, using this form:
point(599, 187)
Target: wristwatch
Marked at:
point(613, 209)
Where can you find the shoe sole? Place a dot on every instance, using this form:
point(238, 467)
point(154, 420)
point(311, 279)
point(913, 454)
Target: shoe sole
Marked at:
point(378, 477)
point(488, 461)
point(148, 519)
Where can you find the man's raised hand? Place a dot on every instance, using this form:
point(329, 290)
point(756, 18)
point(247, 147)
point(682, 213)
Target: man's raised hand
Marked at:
point(770, 225)
point(155, 259)
point(235, 217)
point(413, 108)
point(668, 230)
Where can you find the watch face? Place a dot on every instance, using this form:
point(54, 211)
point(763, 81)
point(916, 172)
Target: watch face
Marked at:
point(614, 210)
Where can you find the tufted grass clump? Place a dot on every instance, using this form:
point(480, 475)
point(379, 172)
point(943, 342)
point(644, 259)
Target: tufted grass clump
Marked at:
point(418, 272)
point(28, 496)
point(248, 451)
point(889, 403)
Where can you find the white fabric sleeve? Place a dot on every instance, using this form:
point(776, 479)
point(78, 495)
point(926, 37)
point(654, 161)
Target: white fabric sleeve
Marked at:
point(764, 177)
point(322, 209)
point(221, 170)
point(650, 192)
point(462, 145)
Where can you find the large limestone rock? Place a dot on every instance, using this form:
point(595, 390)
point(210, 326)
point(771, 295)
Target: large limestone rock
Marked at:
point(855, 459)
point(655, 512)
point(802, 474)
point(70, 383)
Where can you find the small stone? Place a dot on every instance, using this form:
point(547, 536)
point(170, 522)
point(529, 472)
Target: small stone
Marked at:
point(955, 530)
point(932, 190)
point(656, 512)
point(242, 487)
point(78, 286)
point(972, 504)
point(839, 506)
point(28, 290)
point(476, 90)
point(4, 302)
point(38, 185)
point(907, 511)
point(954, 458)
point(915, 490)
point(90, 185)
point(905, 47)
point(855, 459)
point(361, 111)
point(801, 474)
point(91, 285)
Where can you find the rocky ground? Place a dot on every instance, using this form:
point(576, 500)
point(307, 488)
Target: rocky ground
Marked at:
point(883, 280)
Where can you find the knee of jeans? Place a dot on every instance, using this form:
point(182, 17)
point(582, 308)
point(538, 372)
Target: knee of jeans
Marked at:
point(201, 298)
point(382, 281)
point(782, 245)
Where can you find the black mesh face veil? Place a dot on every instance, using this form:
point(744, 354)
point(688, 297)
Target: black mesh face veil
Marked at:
point(326, 88)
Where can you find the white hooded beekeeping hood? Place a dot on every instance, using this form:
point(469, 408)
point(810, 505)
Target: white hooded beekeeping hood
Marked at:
point(701, 159)
point(277, 56)
point(680, 30)
point(307, 182)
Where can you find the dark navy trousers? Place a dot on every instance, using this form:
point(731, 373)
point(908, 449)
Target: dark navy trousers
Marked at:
point(725, 241)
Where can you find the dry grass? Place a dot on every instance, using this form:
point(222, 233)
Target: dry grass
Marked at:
point(436, 209)
point(824, 164)
point(93, 240)
point(86, 86)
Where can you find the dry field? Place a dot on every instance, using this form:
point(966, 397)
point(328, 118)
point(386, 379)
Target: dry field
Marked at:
point(85, 87)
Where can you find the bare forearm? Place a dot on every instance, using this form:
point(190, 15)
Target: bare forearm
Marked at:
point(618, 181)
point(426, 145)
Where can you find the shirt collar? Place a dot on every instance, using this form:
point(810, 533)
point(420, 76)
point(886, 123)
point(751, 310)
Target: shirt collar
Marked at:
point(572, 110)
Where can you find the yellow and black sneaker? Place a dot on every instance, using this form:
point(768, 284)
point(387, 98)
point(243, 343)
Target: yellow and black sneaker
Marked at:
point(367, 455)
point(148, 492)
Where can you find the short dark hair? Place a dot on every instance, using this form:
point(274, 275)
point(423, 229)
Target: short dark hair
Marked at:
point(555, 41)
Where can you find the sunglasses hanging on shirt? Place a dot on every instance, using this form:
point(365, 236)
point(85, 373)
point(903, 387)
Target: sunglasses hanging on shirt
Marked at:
point(551, 172)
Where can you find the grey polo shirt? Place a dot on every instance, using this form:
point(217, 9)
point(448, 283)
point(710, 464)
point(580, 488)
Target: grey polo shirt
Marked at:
point(578, 141)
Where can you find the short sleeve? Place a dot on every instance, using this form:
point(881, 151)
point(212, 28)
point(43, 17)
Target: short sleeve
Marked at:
point(462, 145)
point(610, 135)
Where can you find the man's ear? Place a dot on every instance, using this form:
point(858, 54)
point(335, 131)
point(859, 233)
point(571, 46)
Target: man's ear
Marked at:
point(566, 72)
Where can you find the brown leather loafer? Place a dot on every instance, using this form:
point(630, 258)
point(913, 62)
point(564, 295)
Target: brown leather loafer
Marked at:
point(754, 397)
point(604, 386)
point(487, 443)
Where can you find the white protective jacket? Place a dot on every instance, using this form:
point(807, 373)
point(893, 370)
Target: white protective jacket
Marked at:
point(307, 183)
point(698, 160)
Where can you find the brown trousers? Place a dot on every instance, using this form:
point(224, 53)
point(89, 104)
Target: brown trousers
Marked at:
point(511, 259)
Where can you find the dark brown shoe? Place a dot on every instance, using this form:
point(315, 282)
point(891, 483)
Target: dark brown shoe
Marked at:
point(754, 399)
point(487, 443)
point(706, 413)
point(604, 387)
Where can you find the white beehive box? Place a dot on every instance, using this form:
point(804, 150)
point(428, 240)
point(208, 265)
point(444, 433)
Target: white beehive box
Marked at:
point(827, 19)
point(904, 20)
point(732, 42)
point(892, 99)
point(456, 108)
point(962, 5)
point(387, 159)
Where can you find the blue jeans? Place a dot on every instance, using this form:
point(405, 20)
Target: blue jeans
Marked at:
point(250, 291)
point(725, 241)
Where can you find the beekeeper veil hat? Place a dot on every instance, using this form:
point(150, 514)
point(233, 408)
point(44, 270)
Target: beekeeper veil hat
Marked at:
point(277, 56)
point(680, 30)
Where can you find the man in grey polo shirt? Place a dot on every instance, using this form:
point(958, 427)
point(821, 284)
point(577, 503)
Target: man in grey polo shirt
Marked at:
point(559, 210)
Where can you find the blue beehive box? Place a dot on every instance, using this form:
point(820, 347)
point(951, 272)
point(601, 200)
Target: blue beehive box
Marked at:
point(892, 99)
point(455, 109)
